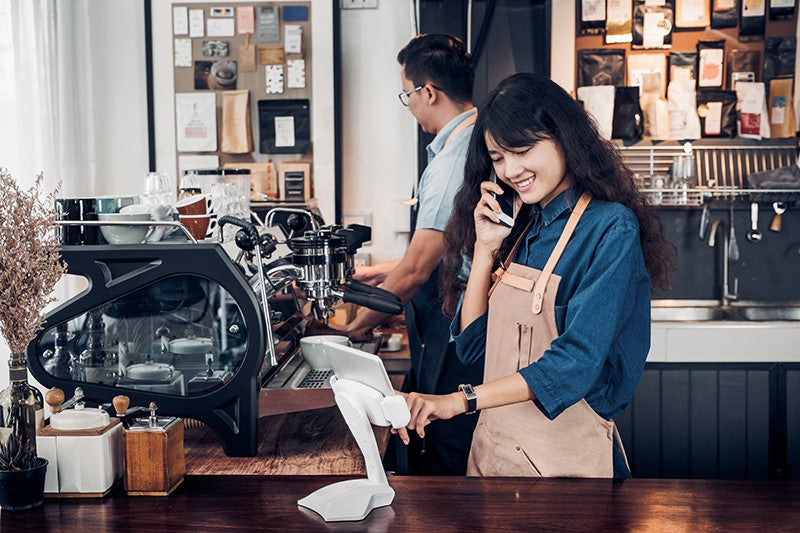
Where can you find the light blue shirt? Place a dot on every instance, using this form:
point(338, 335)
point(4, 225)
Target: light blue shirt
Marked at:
point(444, 175)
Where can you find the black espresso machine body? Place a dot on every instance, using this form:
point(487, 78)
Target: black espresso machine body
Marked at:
point(173, 324)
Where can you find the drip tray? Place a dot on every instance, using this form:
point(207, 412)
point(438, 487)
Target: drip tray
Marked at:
point(295, 373)
point(295, 386)
point(316, 379)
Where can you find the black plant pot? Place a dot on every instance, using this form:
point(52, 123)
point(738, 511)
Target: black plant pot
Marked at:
point(23, 489)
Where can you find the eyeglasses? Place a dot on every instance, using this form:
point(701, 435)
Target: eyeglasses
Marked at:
point(404, 96)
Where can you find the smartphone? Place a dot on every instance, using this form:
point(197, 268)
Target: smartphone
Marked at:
point(507, 202)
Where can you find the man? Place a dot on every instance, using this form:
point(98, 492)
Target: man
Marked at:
point(437, 79)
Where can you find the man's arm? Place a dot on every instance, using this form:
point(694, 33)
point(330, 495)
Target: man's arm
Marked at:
point(375, 274)
point(423, 255)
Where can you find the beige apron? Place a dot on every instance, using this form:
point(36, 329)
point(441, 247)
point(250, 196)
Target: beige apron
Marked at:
point(518, 439)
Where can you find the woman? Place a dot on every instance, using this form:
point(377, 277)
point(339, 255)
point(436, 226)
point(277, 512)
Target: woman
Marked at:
point(565, 328)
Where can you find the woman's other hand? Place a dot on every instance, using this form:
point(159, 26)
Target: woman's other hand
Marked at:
point(489, 231)
point(425, 408)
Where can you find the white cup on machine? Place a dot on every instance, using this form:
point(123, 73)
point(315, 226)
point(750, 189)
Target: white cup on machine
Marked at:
point(314, 351)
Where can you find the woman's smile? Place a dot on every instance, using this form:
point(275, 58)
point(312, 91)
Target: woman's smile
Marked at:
point(523, 185)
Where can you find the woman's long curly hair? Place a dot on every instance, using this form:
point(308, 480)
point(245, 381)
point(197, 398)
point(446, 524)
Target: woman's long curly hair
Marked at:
point(521, 111)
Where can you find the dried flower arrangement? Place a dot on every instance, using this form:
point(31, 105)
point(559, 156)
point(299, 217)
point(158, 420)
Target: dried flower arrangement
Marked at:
point(30, 259)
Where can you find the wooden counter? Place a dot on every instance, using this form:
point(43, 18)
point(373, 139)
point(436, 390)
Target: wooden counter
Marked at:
point(269, 503)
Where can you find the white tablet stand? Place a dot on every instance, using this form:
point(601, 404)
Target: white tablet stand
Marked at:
point(364, 395)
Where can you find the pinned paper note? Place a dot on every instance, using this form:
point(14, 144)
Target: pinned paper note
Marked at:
point(180, 20)
point(220, 27)
point(268, 30)
point(284, 132)
point(245, 20)
point(274, 79)
point(196, 23)
point(196, 118)
point(296, 73)
point(293, 42)
point(183, 52)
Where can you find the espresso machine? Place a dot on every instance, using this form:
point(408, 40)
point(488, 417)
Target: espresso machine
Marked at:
point(204, 329)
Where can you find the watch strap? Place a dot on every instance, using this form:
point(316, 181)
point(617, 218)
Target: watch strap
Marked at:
point(472, 398)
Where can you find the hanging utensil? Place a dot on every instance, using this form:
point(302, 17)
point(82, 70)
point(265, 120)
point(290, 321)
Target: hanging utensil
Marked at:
point(703, 223)
point(733, 250)
point(754, 235)
point(779, 208)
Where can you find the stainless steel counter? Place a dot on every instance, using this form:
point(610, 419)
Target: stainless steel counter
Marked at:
point(701, 331)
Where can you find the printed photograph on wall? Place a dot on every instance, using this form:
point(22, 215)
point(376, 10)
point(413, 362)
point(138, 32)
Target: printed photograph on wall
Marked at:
point(214, 75)
point(214, 48)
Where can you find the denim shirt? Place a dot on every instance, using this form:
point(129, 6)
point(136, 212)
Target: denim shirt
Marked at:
point(602, 309)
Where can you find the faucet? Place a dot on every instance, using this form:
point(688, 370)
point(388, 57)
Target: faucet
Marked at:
point(727, 296)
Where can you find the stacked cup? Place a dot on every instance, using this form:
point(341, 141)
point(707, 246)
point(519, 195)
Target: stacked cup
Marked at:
point(193, 212)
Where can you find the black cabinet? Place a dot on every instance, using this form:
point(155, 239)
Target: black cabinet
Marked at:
point(708, 420)
point(791, 417)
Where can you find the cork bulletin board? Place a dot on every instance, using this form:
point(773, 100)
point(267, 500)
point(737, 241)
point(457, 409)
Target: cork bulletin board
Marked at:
point(200, 73)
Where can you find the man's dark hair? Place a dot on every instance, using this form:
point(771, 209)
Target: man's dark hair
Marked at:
point(441, 60)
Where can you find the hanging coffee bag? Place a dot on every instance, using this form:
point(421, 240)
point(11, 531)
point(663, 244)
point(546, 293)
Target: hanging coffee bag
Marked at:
point(601, 67)
point(682, 66)
point(779, 57)
point(781, 9)
point(717, 112)
point(710, 60)
point(652, 24)
point(655, 107)
point(724, 14)
point(628, 117)
point(752, 106)
point(598, 101)
point(640, 64)
point(591, 15)
point(692, 14)
point(619, 21)
point(743, 65)
point(753, 21)
point(683, 120)
point(781, 108)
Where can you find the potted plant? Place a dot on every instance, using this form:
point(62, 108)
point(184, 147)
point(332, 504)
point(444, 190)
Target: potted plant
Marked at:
point(30, 266)
point(22, 475)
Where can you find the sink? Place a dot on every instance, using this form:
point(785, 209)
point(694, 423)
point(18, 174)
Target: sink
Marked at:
point(766, 313)
point(686, 314)
point(755, 313)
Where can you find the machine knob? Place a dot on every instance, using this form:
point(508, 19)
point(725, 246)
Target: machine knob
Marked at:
point(296, 222)
point(153, 420)
point(234, 329)
point(54, 398)
point(121, 404)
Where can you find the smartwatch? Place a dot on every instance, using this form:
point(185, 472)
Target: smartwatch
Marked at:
point(472, 398)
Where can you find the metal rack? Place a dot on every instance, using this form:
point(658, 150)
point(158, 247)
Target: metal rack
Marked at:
point(694, 197)
point(725, 163)
point(129, 223)
point(722, 168)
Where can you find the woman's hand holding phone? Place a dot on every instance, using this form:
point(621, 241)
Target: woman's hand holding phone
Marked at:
point(489, 230)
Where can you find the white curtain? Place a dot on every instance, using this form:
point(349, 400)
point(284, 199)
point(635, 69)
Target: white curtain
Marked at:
point(46, 96)
point(46, 101)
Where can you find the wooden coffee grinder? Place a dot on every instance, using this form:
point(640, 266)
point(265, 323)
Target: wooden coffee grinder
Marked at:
point(155, 463)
